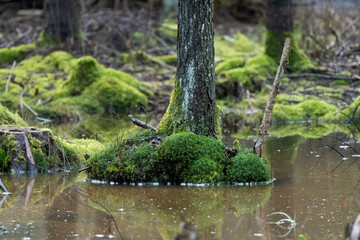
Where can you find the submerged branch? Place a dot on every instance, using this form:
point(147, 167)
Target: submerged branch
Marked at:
point(259, 143)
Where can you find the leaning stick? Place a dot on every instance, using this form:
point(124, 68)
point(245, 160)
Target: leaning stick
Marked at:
point(259, 143)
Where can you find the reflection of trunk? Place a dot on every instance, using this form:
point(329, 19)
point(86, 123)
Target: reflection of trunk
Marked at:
point(192, 107)
point(29, 190)
point(63, 20)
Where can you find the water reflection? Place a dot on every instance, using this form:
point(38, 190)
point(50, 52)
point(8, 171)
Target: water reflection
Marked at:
point(315, 186)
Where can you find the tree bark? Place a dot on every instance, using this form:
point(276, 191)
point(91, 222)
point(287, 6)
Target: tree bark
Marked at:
point(192, 106)
point(63, 21)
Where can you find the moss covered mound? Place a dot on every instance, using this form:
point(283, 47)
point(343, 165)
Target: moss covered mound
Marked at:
point(9, 55)
point(62, 86)
point(250, 75)
point(248, 167)
point(309, 110)
point(180, 157)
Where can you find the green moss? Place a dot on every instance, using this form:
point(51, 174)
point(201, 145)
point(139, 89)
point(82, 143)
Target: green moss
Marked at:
point(169, 59)
point(204, 170)
point(308, 110)
point(113, 94)
point(59, 60)
point(248, 167)
point(236, 46)
point(7, 151)
point(9, 118)
point(9, 55)
point(84, 72)
point(231, 63)
point(253, 74)
point(178, 152)
point(169, 28)
point(273, 47)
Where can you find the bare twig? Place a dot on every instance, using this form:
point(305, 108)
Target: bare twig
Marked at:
point(258, 146)
point(142, 124)
point(10, 77)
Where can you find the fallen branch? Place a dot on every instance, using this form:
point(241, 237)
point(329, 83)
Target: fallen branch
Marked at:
point(3, 187)
point(83, 169)
point(259, 143)
point(10, 77)
point(323, 76)
point(142, 124)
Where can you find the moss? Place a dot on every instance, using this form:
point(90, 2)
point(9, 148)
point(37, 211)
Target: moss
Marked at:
point(169, 28)
point(274, 45)
point(204, 170)
point(178, 152)
point(7, 151)
point(59, 60)
point(84, 72)
point(309, 110)
point(231, 63)
point(169, 59)
point(9, 55)
point(113, 94)
point(350, 112)
point(254, 72)
point(9, 118)
point(236, 46)
point(248, 167)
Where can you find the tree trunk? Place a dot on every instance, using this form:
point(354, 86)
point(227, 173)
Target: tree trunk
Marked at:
point(192, 105)
point(63, 21)
point(279, 16)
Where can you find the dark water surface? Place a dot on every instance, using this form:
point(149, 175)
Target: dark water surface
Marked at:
point(314, 186)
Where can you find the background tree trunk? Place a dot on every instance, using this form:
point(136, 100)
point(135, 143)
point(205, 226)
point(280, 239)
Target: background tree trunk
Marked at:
point(192, 105)
point(63, 22)
point(279, 16)
point(280, 25)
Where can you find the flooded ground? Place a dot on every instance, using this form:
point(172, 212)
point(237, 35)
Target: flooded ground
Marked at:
point(316, 187)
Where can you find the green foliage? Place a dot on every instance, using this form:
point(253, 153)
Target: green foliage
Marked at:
point(248, 167)
point(9, 55)
point(236, 46)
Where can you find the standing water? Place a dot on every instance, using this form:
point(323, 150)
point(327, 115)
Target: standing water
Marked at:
point(317, 191)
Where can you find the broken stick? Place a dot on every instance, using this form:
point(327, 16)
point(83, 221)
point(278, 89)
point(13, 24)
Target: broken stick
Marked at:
point(259, 143)
point(142, 124)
